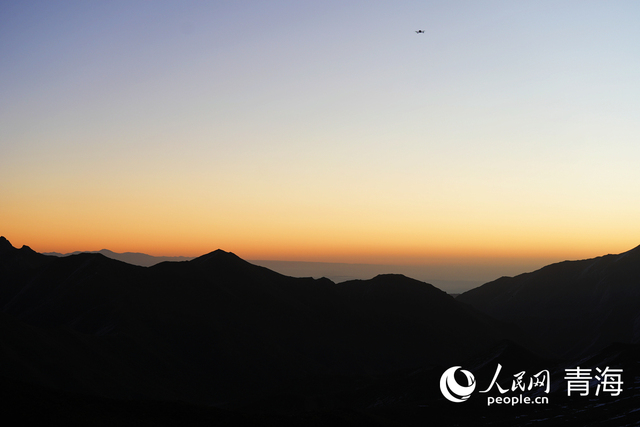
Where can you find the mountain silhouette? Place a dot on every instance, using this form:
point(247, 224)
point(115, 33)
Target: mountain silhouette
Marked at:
point(135, 258)
point(571, 308)
point(216, 330)
point(85, 339)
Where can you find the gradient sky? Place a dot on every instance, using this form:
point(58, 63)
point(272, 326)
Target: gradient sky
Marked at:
point(322, 131)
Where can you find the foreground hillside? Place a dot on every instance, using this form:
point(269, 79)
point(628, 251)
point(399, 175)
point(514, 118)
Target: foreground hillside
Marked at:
point(88, 340)
point(570, 308)
point(217, 329)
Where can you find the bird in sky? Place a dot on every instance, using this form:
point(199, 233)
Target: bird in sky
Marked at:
point(420, 32)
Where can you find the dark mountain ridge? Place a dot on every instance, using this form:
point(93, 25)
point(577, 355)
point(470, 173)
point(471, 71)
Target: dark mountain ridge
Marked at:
point(216, 329)
point(80, 331)
point(570, 308)
point(135, 258)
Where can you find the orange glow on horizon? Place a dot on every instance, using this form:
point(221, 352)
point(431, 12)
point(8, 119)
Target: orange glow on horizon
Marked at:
point(437, 253)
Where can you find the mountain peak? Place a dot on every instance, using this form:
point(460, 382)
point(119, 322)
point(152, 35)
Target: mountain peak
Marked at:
point(5, 245)
point(217, 255)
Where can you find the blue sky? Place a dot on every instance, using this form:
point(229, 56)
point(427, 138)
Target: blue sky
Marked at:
point(325, 131)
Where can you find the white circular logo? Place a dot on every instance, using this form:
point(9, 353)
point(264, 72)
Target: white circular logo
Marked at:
point(454, 391)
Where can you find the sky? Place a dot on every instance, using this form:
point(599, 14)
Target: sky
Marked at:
point(507, 134)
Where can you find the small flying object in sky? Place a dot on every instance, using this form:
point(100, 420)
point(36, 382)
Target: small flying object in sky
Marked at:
point(420, 32)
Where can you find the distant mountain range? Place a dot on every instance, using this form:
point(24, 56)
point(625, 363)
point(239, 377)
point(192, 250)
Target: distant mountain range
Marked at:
point(335, 271)
point(79, 331)
point(135, 258)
